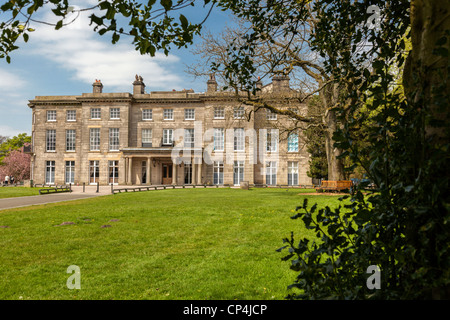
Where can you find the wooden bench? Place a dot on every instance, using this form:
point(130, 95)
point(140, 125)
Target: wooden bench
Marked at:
point(55, 190)
point(331, 185)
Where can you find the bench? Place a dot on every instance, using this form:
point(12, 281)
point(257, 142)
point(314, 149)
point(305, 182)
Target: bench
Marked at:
point(331, 185)
point(55, 190)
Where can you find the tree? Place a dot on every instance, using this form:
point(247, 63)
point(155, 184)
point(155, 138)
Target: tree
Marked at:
point(16, 164)
point(14, 143)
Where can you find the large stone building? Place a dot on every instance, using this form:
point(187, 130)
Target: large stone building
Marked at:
point(170, 137)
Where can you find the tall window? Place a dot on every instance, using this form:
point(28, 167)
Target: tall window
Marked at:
point(94, 139)
point(50, 140)
point(219, 139)
point(189, 114)
point(167, 136)
point(51, 115)
point(71, 115)
point(114, 113)
point(50, 172)
point(292, 173)
point(114, 171)
point(293, 142)
point(168, 114)
point(238, 112)
point(270, 115)
point(272, 140)
point(146, 138)
point(147, 114)
point(271, 173)
point(70, 172)
point(189, 138)
point(70, 140)
point(218, 172)
point(96, 113)
point(239, 139)
point(187, 173)
point(219, 113)
point(238, 172)
point(113, 139)
point(94, 171)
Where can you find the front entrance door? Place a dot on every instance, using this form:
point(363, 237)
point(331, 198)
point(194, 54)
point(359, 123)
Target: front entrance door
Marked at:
point(167, 173)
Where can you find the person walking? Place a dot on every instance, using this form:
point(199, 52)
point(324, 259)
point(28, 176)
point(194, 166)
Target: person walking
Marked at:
point(11, 180)
point(6, 180)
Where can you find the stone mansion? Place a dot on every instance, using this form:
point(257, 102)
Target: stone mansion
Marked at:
point(165, 138)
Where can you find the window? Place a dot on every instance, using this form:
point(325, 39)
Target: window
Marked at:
point(271, 173)
point(114, 113)
point(70, 140)
point(113, 167)
point(239, 139)
point(219, 113)
point(113, 139)
point(50, 172)
point(272, 140)
point(189, 138)
point(71, 115)
point(146, 138)
point(70, 172)
point(189, 114)
point(94, 171)
point(292, 173)
point(187, 173)
point(219, 139)
point(270, 115)
point(144, 171)
point(51, 115)
point(94, 139)
point(147, 114)
point(238, 172)
point(168, 114)
point(218, 172)
point(239, 112)
point(96, 113)
point(50, 140)
point(167, 136)
point(293, 142)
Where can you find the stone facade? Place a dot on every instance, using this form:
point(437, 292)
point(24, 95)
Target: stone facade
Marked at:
point(144, 138)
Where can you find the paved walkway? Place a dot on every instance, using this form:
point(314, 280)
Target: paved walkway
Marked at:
point(76, 194)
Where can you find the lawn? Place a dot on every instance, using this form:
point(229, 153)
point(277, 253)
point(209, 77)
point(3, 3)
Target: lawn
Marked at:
point(11, 192)
point(169, 244)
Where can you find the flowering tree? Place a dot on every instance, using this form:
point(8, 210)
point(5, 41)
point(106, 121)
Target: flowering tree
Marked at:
point(16, 164)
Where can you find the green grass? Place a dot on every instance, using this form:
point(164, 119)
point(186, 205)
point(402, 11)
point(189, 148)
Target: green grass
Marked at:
point(170, 244)
point(11, 192)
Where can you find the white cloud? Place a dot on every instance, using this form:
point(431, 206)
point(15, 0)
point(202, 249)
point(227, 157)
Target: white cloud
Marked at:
point(88, 56)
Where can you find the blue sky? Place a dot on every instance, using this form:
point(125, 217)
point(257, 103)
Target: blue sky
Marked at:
point(67, 62)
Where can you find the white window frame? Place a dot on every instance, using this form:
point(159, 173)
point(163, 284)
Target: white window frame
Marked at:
point(218, 169)
point(271, 173)
point(50, 140)
point(238, 172)
point(50, 172)
point(292, 146)
point(114, 139)
point(113, 168)
point(272, 140)
point(147, 114)
point(270, 115)
point(69, 174)
point(147, 137)
point(51, 115)
point(94, 139)
point(219, 112)
point(167, 137)
point(71, 115)
point(94, 167)
point(70, 139)
point(114, 113)
point(189, 114)
point(189, 137)
point(239, 139)
point(238, 112)
point(293, 173)
point(96, 113)
point(219, 139)
point(168, 114)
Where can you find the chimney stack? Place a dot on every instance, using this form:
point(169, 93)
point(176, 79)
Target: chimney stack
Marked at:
point(138, 85)
point(280, 83)
point(97, 86)
point(211, 84)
